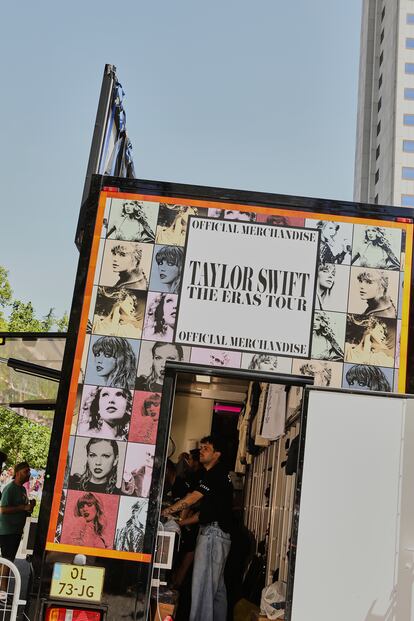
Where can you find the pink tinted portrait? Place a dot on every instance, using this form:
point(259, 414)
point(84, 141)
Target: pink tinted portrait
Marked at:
point(89, 519)
point(145, 415)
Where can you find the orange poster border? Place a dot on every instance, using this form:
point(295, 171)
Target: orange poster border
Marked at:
point(104, 195)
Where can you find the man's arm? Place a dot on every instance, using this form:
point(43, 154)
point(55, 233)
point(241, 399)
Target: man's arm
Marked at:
point(187, 501)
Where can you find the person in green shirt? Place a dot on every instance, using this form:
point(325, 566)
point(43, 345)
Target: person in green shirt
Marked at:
point(15, 507)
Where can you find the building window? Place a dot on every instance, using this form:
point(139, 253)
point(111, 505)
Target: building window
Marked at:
point(409, 67)
point(410, 18)
point(409, 93)
point(408, 119)
point(380, 81)
point(377, 176)
point(382, 36)
point(377, 152)
point(409, 43)
point(378, 127)
point(407, 200)
point(408, 173)
point(408, 146)
point(383, 14)
point(382, 57)
point(380, 103)
point(376, 199)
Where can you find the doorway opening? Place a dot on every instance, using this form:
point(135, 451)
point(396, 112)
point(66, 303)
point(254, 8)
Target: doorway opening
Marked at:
point(255, 415)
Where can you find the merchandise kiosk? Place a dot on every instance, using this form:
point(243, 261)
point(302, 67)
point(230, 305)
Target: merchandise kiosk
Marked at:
point(297, 290)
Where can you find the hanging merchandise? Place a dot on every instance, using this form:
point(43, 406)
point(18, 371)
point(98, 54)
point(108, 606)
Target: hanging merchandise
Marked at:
point(291, 464)
point(294, 401)
point(242, 428)
point(274, 412)
point(255, 397)
point(257, 422)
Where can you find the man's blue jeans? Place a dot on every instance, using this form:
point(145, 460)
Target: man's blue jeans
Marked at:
point(208, 591)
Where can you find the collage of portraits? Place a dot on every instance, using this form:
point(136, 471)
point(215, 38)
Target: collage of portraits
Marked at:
point(132, 313)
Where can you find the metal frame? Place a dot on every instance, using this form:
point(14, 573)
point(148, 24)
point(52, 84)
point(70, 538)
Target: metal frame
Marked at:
point(10, 612)
point(98, 138)
point(172, 369)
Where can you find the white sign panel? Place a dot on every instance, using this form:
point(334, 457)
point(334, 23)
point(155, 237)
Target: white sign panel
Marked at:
point(248, 286)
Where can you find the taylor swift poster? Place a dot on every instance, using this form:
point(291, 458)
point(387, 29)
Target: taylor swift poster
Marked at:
point(126, 265)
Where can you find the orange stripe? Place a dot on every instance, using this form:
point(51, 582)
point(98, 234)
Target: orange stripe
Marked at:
point(256, 209)
point(71, 403)
point(130, 556)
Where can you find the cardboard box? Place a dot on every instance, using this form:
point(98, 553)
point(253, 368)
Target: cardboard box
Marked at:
point(164, 610)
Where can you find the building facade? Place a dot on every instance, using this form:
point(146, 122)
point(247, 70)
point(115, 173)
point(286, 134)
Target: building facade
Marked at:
point(384, 161)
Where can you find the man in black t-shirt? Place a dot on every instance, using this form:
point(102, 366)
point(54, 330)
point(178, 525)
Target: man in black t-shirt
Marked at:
point(214, 491)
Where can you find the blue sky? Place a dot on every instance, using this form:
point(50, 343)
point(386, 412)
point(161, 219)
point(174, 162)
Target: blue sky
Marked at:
point(257, 95)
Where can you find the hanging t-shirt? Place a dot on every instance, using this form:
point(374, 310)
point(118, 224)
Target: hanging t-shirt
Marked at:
point(257, 424)
point(273, 425)
point(294, 401)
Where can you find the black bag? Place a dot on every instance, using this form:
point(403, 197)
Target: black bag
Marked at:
point(291, 464)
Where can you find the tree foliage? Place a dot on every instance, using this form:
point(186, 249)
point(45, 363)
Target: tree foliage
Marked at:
point(5, 296)
point(22, 316)
point(20, 438)
point(23, 440)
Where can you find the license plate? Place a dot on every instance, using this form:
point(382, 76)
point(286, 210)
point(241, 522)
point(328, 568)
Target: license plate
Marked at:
point(75, 582)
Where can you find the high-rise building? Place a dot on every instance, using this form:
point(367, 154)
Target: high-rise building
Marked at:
point(384, 161)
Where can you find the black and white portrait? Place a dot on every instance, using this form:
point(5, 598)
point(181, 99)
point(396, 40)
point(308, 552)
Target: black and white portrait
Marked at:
point(167, 266)
point(373, 292)
point(332, 287)
point(328, 335)
point(137, 476)
point(335, 241)
point(112, 361)
point(160, 316)
point(215, 357)
point(364, 377)
point(370, 340)
point(97, 465)
point(119, 312)
point(173, 223)
point(267, 362)
point(130, 528)
point(105, 412)
point(126, 264)
point(324, 373)
point(152, 361)
point(376, 246)
point(131, 220)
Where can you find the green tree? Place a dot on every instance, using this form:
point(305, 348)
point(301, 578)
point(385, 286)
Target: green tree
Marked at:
point(22, 316)
point(5, 295)
point(23, 440)
point(62, 323)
